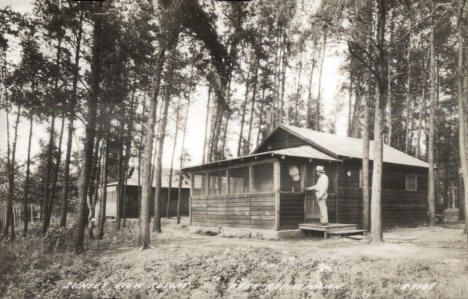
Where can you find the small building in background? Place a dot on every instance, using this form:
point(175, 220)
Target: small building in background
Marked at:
point(133, 190)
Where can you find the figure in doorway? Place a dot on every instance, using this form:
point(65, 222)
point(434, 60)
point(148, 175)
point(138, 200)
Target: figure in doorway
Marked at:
point(321, 188)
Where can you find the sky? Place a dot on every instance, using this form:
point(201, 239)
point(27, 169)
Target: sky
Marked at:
point(332, 80)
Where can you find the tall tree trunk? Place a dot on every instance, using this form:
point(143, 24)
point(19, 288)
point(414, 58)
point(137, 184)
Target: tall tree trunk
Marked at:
point(252, 106)
point(11, 161)
point(71, 118)
point(283, 75)
point(158, 167)
point(408, 89)
point(120, 175)
point(376, 204)
point(260, 120)
point(89, 136)
point(50, 148)
point(350, 104)
point(431, 177)
point(422, 109)
point(27, 181)
point(206, 138)
point(463, 104)
point(102, 205)
point(310, 99)
point(181, 161)
point(128, 147)
point(365, 164)
point(140, 147)
point(243, 108)
point(50, 201)
point(171, 169)
point(388, 118)
point(144, 235)
point(319, 94)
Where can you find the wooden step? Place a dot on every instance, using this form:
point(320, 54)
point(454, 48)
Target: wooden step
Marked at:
point(327, 228)
point(348, 232)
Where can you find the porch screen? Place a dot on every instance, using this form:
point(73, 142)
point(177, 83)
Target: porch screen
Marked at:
point(239, 180)
point(217, 182)
point(263, 178)
point(291, 177)
point(199, 184)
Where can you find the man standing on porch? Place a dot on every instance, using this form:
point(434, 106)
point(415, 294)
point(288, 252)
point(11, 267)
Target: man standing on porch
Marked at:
point(321, 194)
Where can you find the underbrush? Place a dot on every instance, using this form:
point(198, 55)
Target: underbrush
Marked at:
point(114, 268)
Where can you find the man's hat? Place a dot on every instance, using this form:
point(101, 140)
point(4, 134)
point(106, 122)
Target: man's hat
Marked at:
point(320, 168)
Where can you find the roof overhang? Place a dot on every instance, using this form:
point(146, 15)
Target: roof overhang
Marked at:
point(303, 152)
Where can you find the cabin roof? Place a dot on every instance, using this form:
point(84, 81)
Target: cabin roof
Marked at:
point(133, 181)
point(303, 151)
point(348, 147)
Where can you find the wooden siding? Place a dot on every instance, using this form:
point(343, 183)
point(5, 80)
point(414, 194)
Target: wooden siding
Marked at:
point(279, 140)
point(249, 210)
point(131, 204)
point(399, 207)
point(292, 209)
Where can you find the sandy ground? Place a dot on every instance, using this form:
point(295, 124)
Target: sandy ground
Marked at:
point(422, 243)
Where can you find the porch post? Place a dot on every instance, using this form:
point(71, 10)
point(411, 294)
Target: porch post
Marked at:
point(276, 187)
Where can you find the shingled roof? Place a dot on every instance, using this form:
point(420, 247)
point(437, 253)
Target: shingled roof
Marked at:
point(346, 147)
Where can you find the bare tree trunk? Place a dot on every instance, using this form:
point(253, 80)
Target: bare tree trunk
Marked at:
point(71, 118)
point(50, 201)
point(463, 105)
point(365, 164)
point(319, 94)
point(89, 138)
point(171, 169)
point(102, 205)
point(27, 181)
point(10, 221)
point(181, 163)
point(120, 175)
point(50, 148)
point(206, 138)
point(244, 107)
point(350, 103)
point(310, 120)
point(158, 167)
point(376, 204)
point(128, 147)
point(431, 177)
point(144, 236)
point(140, 143)
point(283, 76)
point(252, 106)
point(260, 120)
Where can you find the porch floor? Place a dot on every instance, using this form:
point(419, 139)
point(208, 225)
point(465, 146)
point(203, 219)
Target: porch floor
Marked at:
point(340, 229)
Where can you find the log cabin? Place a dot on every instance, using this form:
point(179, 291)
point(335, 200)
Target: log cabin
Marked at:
point(258, 191)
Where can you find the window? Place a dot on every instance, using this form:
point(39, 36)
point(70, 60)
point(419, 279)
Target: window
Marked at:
point(199, 184)
point(217, 182)
point(239, 180)
point(411, 183)
point(263, 178)
point(290, 177)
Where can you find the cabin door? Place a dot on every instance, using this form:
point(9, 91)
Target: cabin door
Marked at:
point(311, 208)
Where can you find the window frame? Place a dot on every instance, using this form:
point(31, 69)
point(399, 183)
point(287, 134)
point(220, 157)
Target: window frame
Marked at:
point(415, 176)
point(230, 191)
